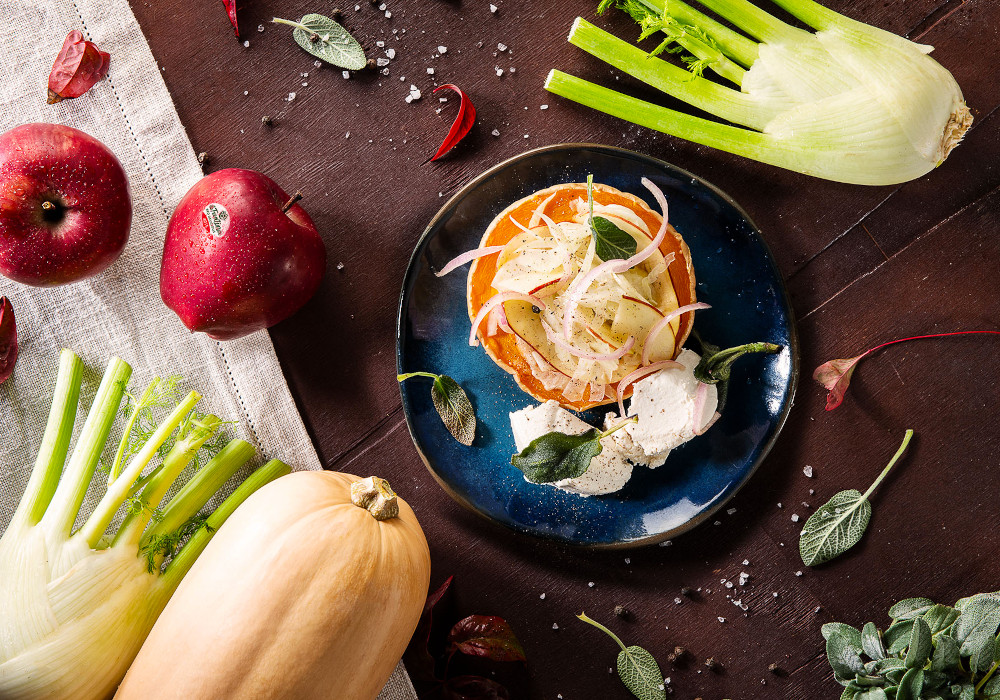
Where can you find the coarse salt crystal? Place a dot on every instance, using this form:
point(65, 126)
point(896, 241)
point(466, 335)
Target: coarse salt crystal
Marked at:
point(442, 49)
point(499, 71)
point(291, 96)
point(731, 511)
point(722, 619)
point(808, 471)
point(555, 626)
point(430, 71)
point(388, 15)
point(385, 71)
point(678, 601)
point(380, 44)
point(493, 8)
point(246, 44)
point(318, 64)
point(526, 136)
point(798, 573)
point(501, 47)
point(666, 543)
point(627, 560)
point(543, 106)
point(744, 577)
point(246, 92)
point(382, 7)
point(381, 61)
point(541, 597)
point(347, 75)
point(260, 27)
point(347, 135)
point(589, 583)
point(409, 99)
point(391, 53)
point(746, 562)
point(513, 70)
point(795, 517)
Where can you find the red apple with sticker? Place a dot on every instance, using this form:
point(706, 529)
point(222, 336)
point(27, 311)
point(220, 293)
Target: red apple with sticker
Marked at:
point(65, 208)
point(240, 255)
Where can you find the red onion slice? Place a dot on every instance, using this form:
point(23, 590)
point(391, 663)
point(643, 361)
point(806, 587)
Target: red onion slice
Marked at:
point(704, 429)
point(662, 323)
point(493, 301)
point(466, 257)
point(600, 357)
point(639, 374)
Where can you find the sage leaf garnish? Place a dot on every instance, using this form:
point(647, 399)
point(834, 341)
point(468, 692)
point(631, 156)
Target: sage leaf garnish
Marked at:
point(930, 652)
point(327, 41)
point(636, 667)
point(839, 524)
point(556, 456)
point(716, 365)
point(610, 242)
point(451, 403)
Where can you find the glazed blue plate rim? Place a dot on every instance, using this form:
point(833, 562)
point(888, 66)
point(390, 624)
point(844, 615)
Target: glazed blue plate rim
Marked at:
point(672, 170)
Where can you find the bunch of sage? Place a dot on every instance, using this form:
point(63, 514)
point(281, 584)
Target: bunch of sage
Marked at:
point(929, 651)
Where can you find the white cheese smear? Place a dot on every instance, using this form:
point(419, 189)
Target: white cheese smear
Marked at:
point(663, 402)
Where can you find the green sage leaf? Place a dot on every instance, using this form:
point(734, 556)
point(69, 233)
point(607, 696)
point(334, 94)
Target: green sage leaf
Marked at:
point(977, 624)
point(967, 691)
point(834, 528)
point(911, 685)
point(851, 691)
point(716, 365)
point(991, 689)
point(844, 657)
point(982, 658)
point(940, 618)
point(946, 655)
point(920, 645)
point(327, 41)
point(910, 608)
point(610, 242)
point(641, 674)
point(897, 637)
point(872, 694)
point(452, 404)
point(833, 629)
point(890, 663)
point(871, 642)
point(555, 456)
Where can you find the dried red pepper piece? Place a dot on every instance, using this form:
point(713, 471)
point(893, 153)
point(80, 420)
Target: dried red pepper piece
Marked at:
point(8, 339)
point(79, 65)
point(462, 124)
point(231, 10)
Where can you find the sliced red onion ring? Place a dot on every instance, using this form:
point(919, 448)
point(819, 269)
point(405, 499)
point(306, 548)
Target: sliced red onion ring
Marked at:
point(639, 374)
point(493, 301)
point(466, 257)
point(716, 416)
point(502, 318)
point(601, 357)
point(662, 323)
point(618, 266)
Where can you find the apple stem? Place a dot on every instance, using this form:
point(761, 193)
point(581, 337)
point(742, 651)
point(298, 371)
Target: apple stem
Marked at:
point(288, 205)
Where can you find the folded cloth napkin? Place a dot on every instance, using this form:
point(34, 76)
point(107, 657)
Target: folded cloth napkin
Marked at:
point(119, 313)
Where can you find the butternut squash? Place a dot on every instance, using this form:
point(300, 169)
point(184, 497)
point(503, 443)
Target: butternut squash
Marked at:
point(311, 589)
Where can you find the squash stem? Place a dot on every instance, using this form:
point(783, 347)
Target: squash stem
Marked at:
point(180, 564)
point(200, 488)
point(55, 441)
point(98, 522)
point(177, 459)
point(66, 502)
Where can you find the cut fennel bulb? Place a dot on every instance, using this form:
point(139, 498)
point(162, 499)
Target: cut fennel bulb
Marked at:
point(76, 606)
point(848, 102)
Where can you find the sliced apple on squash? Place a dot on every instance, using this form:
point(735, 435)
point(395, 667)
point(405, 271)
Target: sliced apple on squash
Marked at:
point(635, 318)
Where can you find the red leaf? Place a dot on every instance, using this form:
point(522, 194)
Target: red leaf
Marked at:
point(485, 635)
point(473, 688)
point(462, 124)
point(835, 376)
point(8, 339)
point(418, 659)
point(77, 68)
point(231, 9)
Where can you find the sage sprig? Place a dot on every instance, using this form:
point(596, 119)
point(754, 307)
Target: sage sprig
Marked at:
point(327, 41)
point(556, 456)
point(840, 523)
point(636, 667)
point(452, 404)
point(929, 651)
point(610, 242)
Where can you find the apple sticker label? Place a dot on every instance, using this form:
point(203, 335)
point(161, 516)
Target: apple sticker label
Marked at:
point(215, 219)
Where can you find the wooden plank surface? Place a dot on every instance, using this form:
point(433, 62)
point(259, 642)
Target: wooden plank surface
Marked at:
point(863, 264)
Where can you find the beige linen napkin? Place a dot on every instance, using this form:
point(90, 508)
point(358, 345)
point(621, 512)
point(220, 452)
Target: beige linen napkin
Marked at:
point(120, 311)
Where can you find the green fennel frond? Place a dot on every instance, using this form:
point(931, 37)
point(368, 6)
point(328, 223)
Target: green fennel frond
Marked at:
point(161, 548)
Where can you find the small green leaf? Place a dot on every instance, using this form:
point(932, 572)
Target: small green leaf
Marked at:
point(890, 663)
point(946, 654)
point(982, 658)
point(940, 618)
point(452, 404)
point(897, 637)
point(716, 365)
point(555, 456)
point(834, 528)
point(327, 41)
point(911, 685)
point(610, 242)
point(871, 641)
point(833, 629)
point(910, 608)
point(920, 645)
point(839, 523)
point(872, 694)
point(844, 656)
point(640, 673)
point(977, 624)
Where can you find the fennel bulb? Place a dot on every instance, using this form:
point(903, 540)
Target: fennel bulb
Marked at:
point(76, 606)
point(848, 102)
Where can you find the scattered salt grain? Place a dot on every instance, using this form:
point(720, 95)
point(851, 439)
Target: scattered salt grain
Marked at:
point(340, 266)
point(291, 97)
point(501, 47)
point(381, 61)
point(729, 584)
point(780, 506)
point(414, 92)
point(555, 625)
point(430, 71)
point(245, 93)
point(382, 7)
point(385, 71)
point(513, 70)
point(380, 44)
point(812, 492)
point(722, 619)
point(541, 597)
point(260, 27)
point(499, 71)
point(678, 601)
point(731, 511)
point(798, 573)
point(318, 64)
point(493, 8)
point(347, 75)
point(347, 135)
point(795, 517)
point(717, 522)
point(391, 53)
point(627, 560)
point(442, 49)
point(589, 583)
point(526, 136)
point(666, 543)
point(543, 106)
point(744, 577)
point(388, 15)
point(775, 594)
point(808, 471)
point(246, 44)
point(746, 562)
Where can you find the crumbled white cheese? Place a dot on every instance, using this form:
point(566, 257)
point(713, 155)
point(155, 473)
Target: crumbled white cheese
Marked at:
point(608, 472)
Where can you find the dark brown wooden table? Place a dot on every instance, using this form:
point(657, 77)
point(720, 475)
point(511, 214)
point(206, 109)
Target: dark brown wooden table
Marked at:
point(863, 264)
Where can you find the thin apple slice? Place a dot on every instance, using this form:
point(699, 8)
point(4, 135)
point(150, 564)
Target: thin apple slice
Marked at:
point(527, 325)
point(636, 317)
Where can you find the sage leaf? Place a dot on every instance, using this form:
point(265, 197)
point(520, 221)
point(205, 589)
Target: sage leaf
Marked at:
point(839, 524)
point(452, 404)
point(610, 242)
point(890, 663)
point(716, 365)
point(967, 691)
point(555, 456)
point(636, 667)
point(851, 691)
point(940, 618)
point(911, 685)
point(833, 629)
point(844, 657)
point(982, 659)
point(977, 624)
point(897, 637)
point(872, 694)
point(871, 642)
point(946, 654)
point(920, 645)
point(327, 41)
point(910, 608)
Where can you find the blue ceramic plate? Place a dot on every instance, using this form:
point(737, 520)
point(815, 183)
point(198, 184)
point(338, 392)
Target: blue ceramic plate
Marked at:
point(735, 274)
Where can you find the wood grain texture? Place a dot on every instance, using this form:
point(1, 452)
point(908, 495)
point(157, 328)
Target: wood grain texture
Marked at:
point(863, 264)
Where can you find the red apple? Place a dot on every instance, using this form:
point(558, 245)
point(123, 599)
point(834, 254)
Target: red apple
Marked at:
point(238, 259)
point(65, 208)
